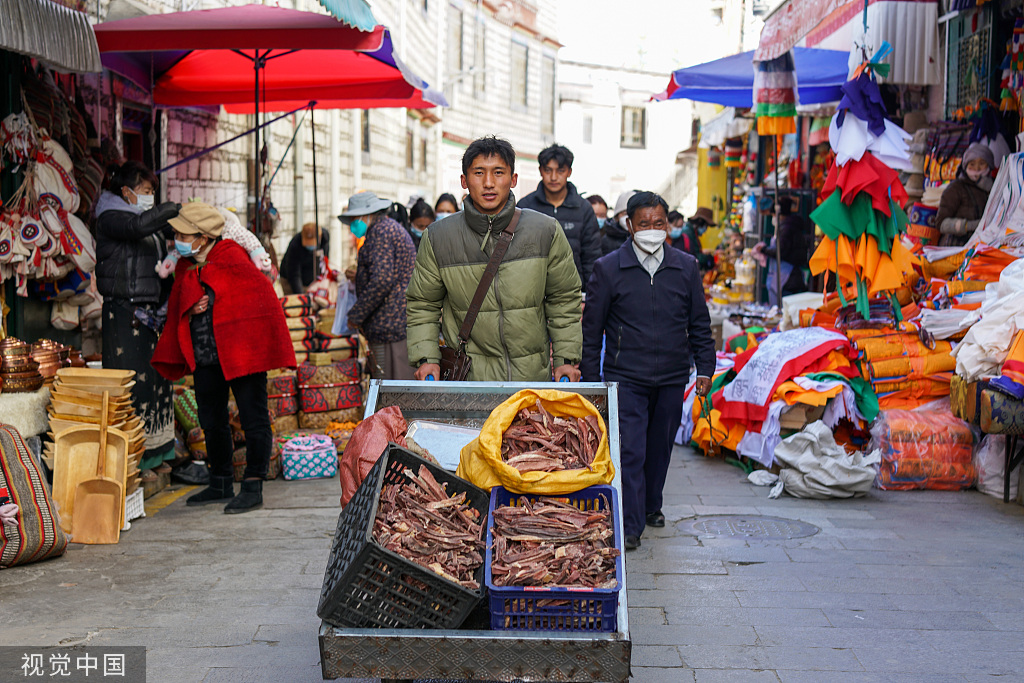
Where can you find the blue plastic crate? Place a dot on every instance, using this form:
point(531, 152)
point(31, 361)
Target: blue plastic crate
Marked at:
point(528, 608)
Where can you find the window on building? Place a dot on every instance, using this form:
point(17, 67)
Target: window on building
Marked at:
point(547, 95)
point(423, 154)
point(588, 129)
point(694, 132)
point(410, 144)
point(454, 46)
point(634, 127)
point(480, 59)
point(520, 69)
point(364, 124)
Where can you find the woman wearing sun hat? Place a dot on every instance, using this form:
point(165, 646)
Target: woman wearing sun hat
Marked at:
point(226, 326)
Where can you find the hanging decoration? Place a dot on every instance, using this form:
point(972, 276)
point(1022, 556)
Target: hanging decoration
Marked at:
point(734, 153)
point(861, 211)
point(775, 95)
point(41, 238)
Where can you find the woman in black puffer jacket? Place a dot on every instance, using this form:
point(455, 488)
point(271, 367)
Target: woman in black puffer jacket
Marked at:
point(131, 239)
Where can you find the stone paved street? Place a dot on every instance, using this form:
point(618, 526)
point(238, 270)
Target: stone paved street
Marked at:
point(896, 587)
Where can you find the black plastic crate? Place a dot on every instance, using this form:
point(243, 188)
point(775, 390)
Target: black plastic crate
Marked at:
point(366, 586)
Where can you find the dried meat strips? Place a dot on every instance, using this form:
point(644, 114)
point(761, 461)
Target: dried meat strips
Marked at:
point(550, 543)
point(421, 522)
point(537, 441)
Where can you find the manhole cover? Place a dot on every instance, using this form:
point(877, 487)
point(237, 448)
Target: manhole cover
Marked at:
point(743, 526)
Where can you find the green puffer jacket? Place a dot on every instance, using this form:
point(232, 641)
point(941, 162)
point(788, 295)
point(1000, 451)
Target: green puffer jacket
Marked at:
point(535, 295)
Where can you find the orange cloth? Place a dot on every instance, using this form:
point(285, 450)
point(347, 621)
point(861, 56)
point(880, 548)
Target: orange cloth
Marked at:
point(707, 436)
point(923, 366)
point(793, 393)
point(1013, 366)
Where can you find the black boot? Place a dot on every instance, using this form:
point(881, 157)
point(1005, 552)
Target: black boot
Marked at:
point(250, 498)
point(220, 489)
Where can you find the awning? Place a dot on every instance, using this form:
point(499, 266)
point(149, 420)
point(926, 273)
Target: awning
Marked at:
point(725, 125)
point(355, 13)
point(910, 26)
point(729, 81)
point(51, 33)
point(790, 22)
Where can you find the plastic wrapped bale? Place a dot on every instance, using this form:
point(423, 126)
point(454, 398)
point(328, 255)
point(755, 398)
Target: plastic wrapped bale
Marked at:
point(923, 450)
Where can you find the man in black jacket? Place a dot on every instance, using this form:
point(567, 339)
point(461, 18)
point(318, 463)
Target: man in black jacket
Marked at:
point(555, 196)
point(647, 301)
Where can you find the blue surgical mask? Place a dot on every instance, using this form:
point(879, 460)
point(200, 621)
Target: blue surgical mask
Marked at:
point(701, 229)
point(675, 233)
point(184, 248)
point(359, 227)
point(601, 222)
point(441, 214)
point(310, 247)
point(416, 231)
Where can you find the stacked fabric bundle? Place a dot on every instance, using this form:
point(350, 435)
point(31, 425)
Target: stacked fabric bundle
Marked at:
point(803, 371)
point(923, 450)
point(283, 400)
point(311, 330)
point(329, 393)
point(861, 214)
point(987, 342)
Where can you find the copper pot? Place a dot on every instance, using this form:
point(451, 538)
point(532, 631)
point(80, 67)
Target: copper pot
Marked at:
point(12, 346)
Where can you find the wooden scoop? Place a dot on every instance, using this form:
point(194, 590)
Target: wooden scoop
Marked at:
point(99, 501)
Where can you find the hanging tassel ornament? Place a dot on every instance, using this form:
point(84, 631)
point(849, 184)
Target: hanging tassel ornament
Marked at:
point(775, 95)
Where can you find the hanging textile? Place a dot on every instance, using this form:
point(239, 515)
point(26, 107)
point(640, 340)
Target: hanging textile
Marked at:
point(775, 95)
point(863, 221)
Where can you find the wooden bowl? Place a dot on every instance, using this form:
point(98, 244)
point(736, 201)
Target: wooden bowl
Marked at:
point(96, 376)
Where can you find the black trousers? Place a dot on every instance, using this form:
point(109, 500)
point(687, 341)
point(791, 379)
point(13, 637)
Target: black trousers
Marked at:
point(251, 397)
point(648, 420)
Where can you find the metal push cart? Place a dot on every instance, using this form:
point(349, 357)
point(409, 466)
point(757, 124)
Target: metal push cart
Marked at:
point(480, 655)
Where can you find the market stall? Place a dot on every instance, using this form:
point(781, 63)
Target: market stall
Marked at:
point(591, 645)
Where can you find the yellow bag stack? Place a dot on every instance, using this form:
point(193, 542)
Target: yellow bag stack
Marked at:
point(480, 461)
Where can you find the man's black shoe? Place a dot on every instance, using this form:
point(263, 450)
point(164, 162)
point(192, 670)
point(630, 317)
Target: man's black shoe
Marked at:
point(632, 542)
point(656, 520)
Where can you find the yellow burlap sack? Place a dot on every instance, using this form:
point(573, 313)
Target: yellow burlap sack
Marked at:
point(480, 461)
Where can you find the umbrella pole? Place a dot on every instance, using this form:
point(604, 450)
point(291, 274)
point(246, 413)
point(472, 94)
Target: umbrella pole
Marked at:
point(778, 240)
point(256, 157)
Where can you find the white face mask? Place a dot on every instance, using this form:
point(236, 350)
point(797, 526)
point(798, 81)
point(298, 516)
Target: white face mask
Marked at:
point(622, 222)
point(649, 241)
point(975, 175)
point(145, 201)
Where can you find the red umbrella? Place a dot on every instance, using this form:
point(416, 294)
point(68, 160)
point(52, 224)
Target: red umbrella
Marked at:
point(254, 57)
point(207, 57)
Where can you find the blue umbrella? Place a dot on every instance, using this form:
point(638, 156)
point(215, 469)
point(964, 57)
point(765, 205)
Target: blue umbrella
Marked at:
point(730, 81)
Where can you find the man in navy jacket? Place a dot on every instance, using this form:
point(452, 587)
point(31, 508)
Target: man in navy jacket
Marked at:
point(555, 196)
point(647, 302)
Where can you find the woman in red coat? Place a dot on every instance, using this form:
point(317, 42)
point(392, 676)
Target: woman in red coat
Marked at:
point(225, 326)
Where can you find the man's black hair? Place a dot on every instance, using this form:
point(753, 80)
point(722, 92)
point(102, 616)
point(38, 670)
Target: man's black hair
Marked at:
point(785, 206)
point(561, 155)
point(674, 216)
point(645, 199)
point(130, 174)
point(421, 209)
point(447, 197)
point(489, 146)
point(597, 199)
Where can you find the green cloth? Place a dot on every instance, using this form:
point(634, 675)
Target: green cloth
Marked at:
point(859, 218)
point(864, 395)
point(531, 311)
point(776, 110)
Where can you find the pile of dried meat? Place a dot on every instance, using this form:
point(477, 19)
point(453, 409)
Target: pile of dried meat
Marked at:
point(553, 544)
point(537, 441)
point(422, 523)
